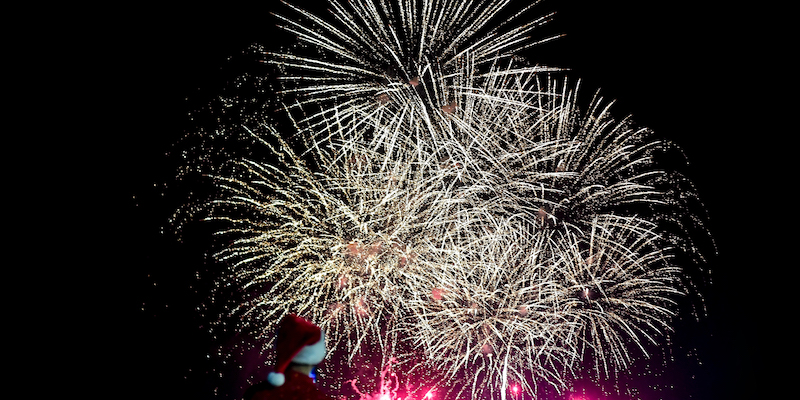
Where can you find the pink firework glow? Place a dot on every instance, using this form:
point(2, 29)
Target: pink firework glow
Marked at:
point(390, 388)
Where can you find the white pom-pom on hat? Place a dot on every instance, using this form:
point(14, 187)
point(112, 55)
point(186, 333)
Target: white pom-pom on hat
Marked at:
point(276, 378)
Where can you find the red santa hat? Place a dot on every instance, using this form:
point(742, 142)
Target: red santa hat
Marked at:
point(298, 340)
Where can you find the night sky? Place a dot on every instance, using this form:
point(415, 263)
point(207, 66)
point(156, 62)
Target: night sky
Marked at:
point(690, 72)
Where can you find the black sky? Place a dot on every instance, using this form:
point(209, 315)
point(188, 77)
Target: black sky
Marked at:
point(682, 68)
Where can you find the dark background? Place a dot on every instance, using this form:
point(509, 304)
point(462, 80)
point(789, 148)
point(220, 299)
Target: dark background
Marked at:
point(696, 73)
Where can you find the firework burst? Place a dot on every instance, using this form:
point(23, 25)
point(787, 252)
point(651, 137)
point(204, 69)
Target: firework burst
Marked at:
point(485, 321)
point(339, 247)
point(386, 73)
point(618, 290)
point(445, 193)
point(565, 223)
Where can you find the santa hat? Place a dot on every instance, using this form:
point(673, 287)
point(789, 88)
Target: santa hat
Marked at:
point(298, 340)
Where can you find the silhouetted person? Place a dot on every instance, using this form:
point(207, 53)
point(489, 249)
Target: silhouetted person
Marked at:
point(299, 346)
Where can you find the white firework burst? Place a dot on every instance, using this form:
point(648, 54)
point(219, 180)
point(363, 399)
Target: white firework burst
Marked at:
point(617, 288)
point(485, 321)
point(450, 195)
point(388, 73)
point(342, 246)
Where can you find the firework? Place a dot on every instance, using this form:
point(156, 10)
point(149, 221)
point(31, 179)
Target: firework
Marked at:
point(312, 243)
point(443, 195)
point(461, 258)
point(617, 288)
point(486, 321)
point(565, 264)
point(387, 74)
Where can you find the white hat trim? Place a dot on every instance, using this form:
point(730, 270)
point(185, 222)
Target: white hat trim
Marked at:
point(312, 354)
point(276, 378)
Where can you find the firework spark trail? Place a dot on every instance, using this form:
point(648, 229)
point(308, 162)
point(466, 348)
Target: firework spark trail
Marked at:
point(394, 67)
point(350, 239)
point(535, 316)
point(595, 192)
point(407, 38)
point(489, 308)
point(457, 197)
point(617, 288)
